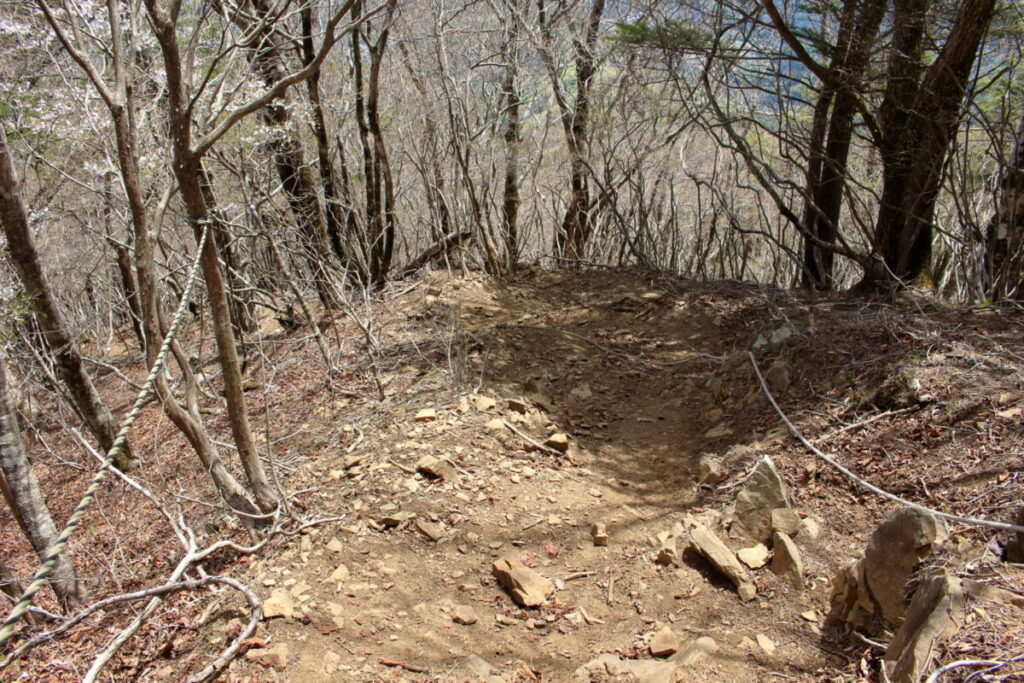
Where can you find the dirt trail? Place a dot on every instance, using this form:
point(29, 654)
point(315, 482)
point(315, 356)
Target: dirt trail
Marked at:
point(651, 377)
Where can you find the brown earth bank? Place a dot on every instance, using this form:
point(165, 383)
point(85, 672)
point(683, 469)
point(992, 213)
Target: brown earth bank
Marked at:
point(580, 426)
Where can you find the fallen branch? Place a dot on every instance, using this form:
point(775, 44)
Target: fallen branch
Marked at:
point(533, 442)
point(402, 665)
point(1003, 526)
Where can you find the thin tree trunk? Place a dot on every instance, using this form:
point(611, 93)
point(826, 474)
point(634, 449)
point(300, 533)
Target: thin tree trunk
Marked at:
point(918, 130)
point(27, 502)
point(68, 361)
point(189, 173)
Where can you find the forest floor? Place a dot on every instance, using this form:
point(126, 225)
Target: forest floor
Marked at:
point(644, 377)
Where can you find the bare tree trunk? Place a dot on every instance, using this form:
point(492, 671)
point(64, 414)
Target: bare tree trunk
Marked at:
point(919, 117)
point(124, 267)
point(68, 361)
point(296, 177)
point(857, 32)
point(27, 502)
point(189, 172)
point(572, 236)
point(1004, 238)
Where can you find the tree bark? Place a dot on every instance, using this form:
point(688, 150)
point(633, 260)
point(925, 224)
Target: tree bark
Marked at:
point(27, 502)
point(189, 173)
point(68, 361)
point(919, 117)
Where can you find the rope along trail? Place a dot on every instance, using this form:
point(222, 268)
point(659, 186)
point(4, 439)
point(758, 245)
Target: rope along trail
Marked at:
point(47, 565)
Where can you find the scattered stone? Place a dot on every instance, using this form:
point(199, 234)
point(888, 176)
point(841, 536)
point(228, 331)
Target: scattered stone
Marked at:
point(667, 552)
point(495, 425)
point(765, 643)
point(665, 642)
point(936, 612)
point(810, 615)
point(335, 546)
point(811, 527)
point(786, 521)
point(619, 668)
point(436, 468)
point(787, 563)
point(763, 493)
point(710, 546)
point(276, 657)
point(599, 533)
point(526, 586)
point(484, 403)
point(754, 557)
point(426, 415)
point(464, 614)
point(559, 442)
point(699, 648)
point(777, 377)
point(435, 532)
point(747, 592)
point(279, 604)
point(394, 519)
point(517, 405)
point(710, 470)
point(871, 593)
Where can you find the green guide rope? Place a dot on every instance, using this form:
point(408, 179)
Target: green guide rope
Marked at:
point(47, 565)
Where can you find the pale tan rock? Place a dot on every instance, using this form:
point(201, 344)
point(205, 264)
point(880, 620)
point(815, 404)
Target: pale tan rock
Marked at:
point(710, 546)
point(426, 415)
point(811, 528)
point(559, 442)
point(665, 642)
point(276, 657)
point(599, 532)
point(335, 546)
point(702, 647)
point(436, 468)
point(435, 532)
point(612, 667)
point(754, 557)
point(279, 604)
point(787, 562)
point(464, 614)
point(765, 643)
point(495, 425)
point(786, 521)
point(667, 552)
point(763, 492)
point(710, 470)
point(341, 573)
point(484, 403)
point(526, 586)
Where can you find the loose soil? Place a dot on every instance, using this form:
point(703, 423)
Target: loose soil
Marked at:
point(644, 375)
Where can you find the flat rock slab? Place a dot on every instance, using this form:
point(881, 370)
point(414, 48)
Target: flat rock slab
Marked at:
point(763, 493)
point(665, 642)
point(904, 539)
point(710, 546)
point(754, 557)
point(436, 468)
point(279, 604)
point(526, 586)
point(787, 563)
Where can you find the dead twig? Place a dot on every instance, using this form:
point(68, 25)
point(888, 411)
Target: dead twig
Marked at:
point(532, 442)
point(866, 484)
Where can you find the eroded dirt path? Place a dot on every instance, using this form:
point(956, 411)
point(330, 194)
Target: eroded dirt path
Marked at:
point(649, 379)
